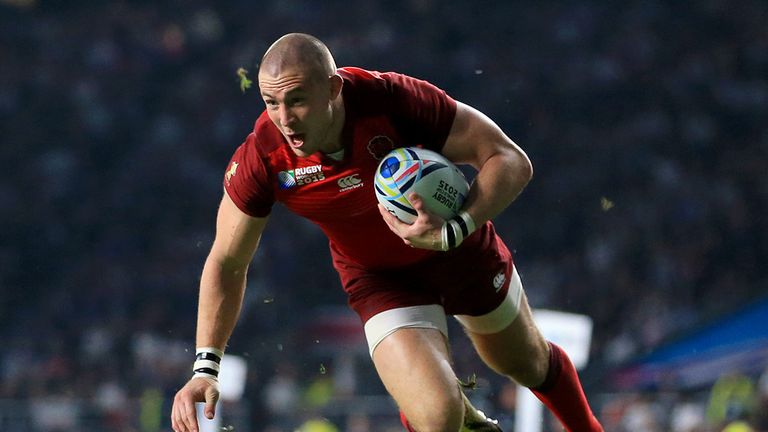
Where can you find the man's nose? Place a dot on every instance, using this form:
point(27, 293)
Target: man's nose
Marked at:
point(286, 116)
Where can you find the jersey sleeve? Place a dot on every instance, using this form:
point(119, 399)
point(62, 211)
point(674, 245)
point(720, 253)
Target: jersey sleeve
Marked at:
point(247, 180)
point(422, 110)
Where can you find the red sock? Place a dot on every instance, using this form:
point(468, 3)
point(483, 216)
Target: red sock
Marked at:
point(405, 423)
point(561, 392)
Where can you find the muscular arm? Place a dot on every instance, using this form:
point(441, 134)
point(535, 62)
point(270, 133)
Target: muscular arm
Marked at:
point(221, 296)
point(223, 281)
point(503, 171)
point(503, 168)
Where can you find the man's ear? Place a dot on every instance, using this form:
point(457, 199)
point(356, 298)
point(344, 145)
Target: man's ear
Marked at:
point(337, 82)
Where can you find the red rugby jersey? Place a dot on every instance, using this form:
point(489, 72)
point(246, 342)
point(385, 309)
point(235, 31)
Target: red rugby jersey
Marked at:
point(383, 111)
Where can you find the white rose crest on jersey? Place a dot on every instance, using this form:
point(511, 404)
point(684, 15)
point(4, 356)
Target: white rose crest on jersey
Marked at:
point(379, 146)
point(349, 182)
point(300, 176)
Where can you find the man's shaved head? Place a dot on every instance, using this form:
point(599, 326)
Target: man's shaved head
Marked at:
point(298, 51)
point(302, 92)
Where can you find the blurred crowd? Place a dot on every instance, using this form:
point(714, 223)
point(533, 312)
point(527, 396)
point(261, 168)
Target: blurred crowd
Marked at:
point(645, 122)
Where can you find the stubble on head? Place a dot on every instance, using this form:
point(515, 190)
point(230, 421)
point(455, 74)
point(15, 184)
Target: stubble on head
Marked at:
point(298, 52)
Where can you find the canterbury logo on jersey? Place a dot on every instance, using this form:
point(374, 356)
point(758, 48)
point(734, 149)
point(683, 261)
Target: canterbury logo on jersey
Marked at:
point(300, 176)
point(498, 281)
point(349, 182)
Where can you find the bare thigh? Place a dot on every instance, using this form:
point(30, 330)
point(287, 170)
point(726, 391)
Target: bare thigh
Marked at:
point(519, 351)
point(414, 366)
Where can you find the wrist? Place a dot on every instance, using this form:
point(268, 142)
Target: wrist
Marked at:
point(207, 363)
point(455, 230)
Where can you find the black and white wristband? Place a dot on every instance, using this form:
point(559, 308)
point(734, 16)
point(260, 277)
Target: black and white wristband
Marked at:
point(207, 363)
point(456, 230)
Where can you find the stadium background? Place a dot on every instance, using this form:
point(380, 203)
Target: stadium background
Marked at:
point(645, 122)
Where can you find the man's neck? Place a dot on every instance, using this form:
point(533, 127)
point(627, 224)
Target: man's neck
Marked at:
point(333, 142)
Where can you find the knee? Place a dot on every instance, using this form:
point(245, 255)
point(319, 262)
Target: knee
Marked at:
point(441, 414)
point(530, 369)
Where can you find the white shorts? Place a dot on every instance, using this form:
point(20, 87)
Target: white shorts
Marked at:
point(432, 316)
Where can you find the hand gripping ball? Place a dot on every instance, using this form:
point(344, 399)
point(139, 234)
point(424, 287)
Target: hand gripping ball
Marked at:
point(403, 171)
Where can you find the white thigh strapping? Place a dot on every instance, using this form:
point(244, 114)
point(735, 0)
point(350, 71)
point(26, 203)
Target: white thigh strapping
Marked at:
point(385, 323)
point(501, 317)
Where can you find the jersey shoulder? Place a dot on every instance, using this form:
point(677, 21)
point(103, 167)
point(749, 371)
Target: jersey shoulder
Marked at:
point(366, 92)
point(392, 92)
point(417, 109)
point(247, 179)
point(265, 137)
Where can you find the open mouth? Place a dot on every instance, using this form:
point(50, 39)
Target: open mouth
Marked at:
point(296, 140)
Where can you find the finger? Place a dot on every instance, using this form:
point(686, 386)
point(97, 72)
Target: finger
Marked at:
point(211, 397)
point(177, 420)
point(384, 212)
point(418, 204)
point(190, 416)
point(388, 217)
point(393, 220)
point(174, 424)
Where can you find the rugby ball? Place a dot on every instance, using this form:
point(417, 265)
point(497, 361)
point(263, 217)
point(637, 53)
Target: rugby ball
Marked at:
point(437, 180)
